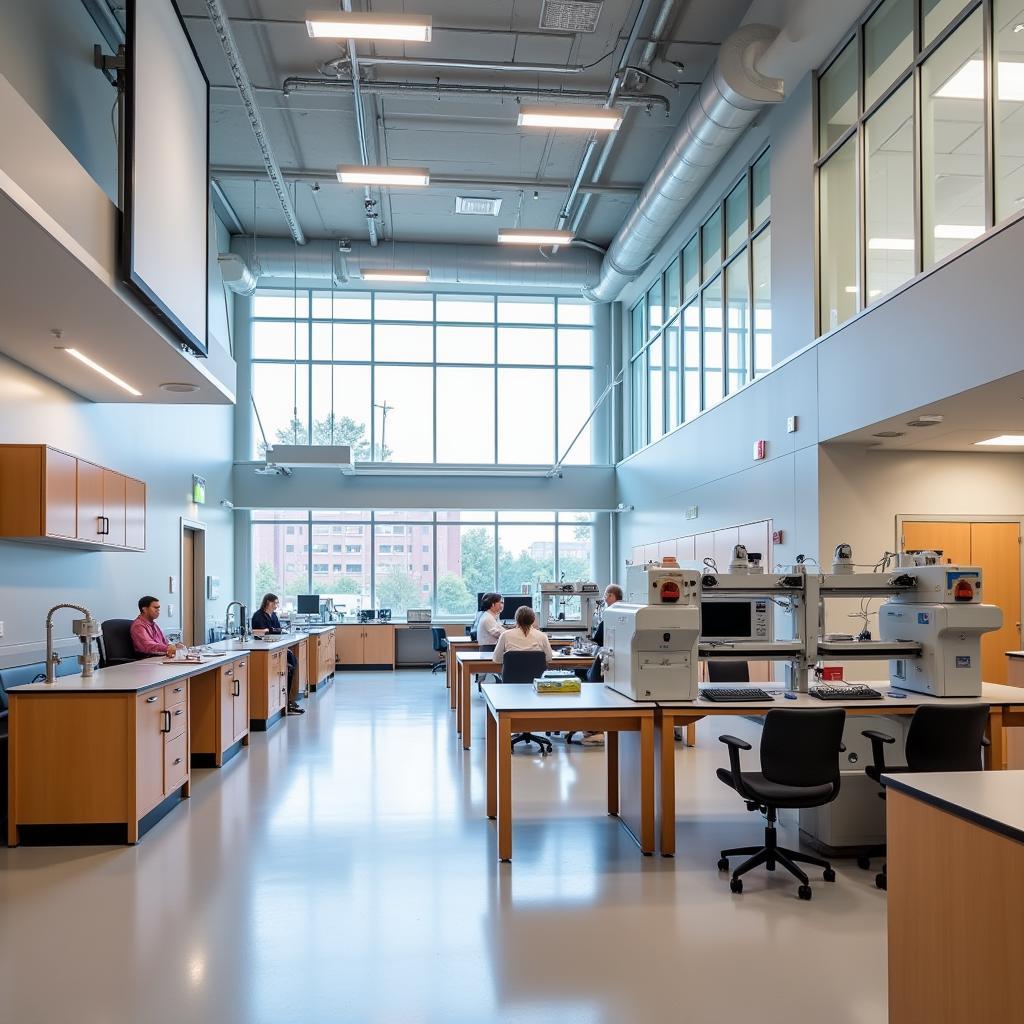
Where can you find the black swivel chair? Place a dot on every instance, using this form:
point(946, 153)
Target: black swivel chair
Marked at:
point(725, 670)
point(799, 768)
point(940, 739)
point(440, 647)
point(524, 667)
point(116, 647)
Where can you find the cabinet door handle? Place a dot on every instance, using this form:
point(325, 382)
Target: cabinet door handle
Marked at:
point(177, 760)
point(151, 700)
point(167, 727)
point(179, 689)
point(238, 690)
point(180, 711)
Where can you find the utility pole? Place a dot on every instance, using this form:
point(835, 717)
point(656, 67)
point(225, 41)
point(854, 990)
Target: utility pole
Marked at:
point(385, 409)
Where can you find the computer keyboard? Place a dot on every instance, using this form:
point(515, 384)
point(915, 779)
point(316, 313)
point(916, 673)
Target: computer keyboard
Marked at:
point(853, 692)
point(737, 693)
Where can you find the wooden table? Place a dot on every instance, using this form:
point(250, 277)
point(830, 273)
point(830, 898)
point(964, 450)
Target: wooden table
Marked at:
point(1007, 709)
point(476, 663)
point(456, 644)
point(515, 707)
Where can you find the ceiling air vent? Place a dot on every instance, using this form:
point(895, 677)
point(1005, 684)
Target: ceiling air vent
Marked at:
point(477, 206)
point(931, 420)
point(889, 433)
point(570, 15)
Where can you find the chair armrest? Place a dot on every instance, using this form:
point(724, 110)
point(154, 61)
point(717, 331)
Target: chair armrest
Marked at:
point(985, 741)
point(735, 745)
point(735, 741)
point(878, 741)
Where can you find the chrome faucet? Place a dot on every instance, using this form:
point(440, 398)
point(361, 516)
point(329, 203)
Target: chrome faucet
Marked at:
point(243, 626)
point(85, 629)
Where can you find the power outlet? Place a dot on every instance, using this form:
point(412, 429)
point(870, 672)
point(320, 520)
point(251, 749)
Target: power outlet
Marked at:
point(1, 629)
point(170, 611)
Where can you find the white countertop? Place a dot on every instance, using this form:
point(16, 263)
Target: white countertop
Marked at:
point(592, 697)
point(275, 643)
point(993, 800)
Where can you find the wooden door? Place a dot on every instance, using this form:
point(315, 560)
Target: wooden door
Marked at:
point(188, 565)
point(379, 645)
point(61, 504)
point(226, 684)
point(350, 647)
point(995, 549)
point(149, 751)
point(90, 502)
point(114, 507)
point(952, 539)
point(135, 513)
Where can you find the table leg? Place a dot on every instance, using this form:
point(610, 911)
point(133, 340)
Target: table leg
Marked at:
point(504, 759)
point(492, 765)
point(453, 676)
point(647, 786)
point(459, 669)
point(611, 749)
point(466, 706)
point(995, 753)
point(691, 734)
point(667, 784)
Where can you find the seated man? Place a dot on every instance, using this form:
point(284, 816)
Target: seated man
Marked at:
point(266, 620)
point(147, 637)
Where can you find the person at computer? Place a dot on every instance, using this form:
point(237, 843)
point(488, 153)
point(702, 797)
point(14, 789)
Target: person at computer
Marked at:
point(147, 637)
point(488, 627)
point(265, 620)
point(524, 636)
point(612, 594)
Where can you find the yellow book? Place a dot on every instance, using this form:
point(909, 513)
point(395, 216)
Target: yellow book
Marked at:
point(557, 684)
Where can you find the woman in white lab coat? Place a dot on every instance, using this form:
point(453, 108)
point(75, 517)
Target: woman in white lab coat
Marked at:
point(523, 637)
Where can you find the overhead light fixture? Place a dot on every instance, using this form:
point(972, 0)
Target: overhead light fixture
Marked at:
point(892, 244)
point(180, 389)
point(478, 206)
point(409, 28)
point(596, 119)
point(927, 420)
point(395, 275)
point(533, 236)
point(850, 289)
point(968, 83)
point(356, 174)
point(102, 371)
point(965, 231)
point(1004, 441)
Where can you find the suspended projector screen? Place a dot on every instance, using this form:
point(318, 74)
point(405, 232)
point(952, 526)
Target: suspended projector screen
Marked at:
point(164, 234)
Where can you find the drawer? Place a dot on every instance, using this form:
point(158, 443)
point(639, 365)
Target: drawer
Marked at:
point(178, 720)
point(175, 762)
point(240, 669)
point(175, 693)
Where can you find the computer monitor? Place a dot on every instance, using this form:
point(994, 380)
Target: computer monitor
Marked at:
point(308, 604)
point(513, 602)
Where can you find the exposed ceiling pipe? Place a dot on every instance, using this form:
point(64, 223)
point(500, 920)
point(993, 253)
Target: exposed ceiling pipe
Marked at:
point(368, 201)
point(467, 65)
point(278, 259)
point(106, 22)
point(299, 83)
point(245, 90)
point(728, 100)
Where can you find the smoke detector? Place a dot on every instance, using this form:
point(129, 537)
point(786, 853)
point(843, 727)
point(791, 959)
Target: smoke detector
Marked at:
point(570, 15)
point(477, 206)
point(889, 433)
point(926, 421)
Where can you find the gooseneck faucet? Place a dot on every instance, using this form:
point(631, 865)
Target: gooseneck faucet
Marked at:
point(242, 620)
point(85, 629)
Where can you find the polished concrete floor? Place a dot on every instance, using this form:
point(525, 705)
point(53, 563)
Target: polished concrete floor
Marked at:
point(341, 869)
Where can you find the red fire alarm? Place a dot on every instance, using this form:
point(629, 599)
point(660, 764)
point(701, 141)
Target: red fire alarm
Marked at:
point(760, 448)
point(776, 536)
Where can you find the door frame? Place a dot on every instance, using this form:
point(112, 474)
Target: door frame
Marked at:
point(198, 579)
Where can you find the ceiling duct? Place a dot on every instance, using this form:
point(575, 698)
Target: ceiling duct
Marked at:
point(236, 274)
point(727, 103)
point(570, 15)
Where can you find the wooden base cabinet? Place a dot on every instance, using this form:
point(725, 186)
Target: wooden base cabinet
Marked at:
point(365, 646)
point(220, 713)
point(268, 687)
point(323, 657)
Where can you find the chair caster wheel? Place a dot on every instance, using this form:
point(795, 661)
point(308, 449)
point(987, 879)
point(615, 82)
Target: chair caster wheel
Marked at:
point(864, 863)
point(770, 866)
point(881, 882)
point(723, 864)
point(804, 892)
point(829, 875)
point(736, 885)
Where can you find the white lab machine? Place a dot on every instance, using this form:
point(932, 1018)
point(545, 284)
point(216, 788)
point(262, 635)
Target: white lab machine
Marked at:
point(567, 606)
point(650, 650)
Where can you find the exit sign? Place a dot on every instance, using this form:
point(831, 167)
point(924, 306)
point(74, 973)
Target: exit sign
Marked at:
point(691, 511)
point(760, 450)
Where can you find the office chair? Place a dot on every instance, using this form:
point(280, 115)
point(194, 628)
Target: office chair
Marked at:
point(524, 667)
point(799, 768)
point(116, 647)
point(440, 647)
point(725, 670)
point(940, 739)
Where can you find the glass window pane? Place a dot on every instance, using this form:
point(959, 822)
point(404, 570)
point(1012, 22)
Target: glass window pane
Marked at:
point(737, 321)
point(736, 228)
point(837, 97)
point(523, 436)
point(673, 394)
point(341, 407)
point(341, 342)
point(403, 306)
point(403, 413)
point(403, 575)
point(466, 309)
point(1009, 135)
point(275, 339)
point(534, 346)
point(636, 328)
point(575, 311)
point(576, 346)
point(280, 562)
point(889, 193)
point(280, 392)
point(465, 344)
point(403, 515)
point(672, 295)
point(525, 309)
point(936, 15)
point(638, 400)
point(575, 400)
point(342, 571)
point(281, 302)
point(575, 551)
point(953, 142)
point(714, 351)
point(761, 184)
point(527, 516)
point(465, 565)
point(691, 360)
point(691, 269)
point(711, 245)
point(837, 187)
point(655, 300)
point(352, 306)
point(762, 250)
point(888, 46)
point(403, 343)
point(526, 555)
point(465, 414)
point(656, 389)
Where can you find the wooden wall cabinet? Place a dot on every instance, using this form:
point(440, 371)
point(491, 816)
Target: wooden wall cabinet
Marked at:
point(49, 496)
point(365, 646)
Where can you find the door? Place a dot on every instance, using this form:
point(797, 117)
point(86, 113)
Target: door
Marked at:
point(952, 539)
point(241, 703)
point(135, 513)
point(90, 502)
point(188, 569)
point(379, 645)
point(351, 644)
point(114, 507)
point(149, 751)
point(227, 684)
point(995, 548)
point(61, 508)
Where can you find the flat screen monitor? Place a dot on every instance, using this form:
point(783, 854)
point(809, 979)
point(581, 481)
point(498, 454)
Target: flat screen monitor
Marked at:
point(513, 602)
point(308, 604)
point(720, 619)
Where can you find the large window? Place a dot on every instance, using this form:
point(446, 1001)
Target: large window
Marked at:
point(423, 378)
point(683, 360)
point(415, 558)
point(919, 143)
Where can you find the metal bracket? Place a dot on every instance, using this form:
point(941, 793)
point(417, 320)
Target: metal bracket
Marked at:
point(112, 67)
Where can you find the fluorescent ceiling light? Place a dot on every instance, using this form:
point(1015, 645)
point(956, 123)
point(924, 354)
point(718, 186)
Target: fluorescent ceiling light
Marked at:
point(395, 275)
point(533, 236)
point(410, 28)
point(892, 244)
point(1005, 440)
point(969, 82)
point(592, 118)
point(850, 289)
point(356, 174)
point(113, 378)
point(966, 231)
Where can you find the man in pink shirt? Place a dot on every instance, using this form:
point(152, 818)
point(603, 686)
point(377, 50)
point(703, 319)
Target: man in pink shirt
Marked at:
point(147, 636)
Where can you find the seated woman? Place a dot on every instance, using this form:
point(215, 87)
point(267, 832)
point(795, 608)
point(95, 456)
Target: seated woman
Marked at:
point(266, 620)
point(488, 626)
point(524, 637)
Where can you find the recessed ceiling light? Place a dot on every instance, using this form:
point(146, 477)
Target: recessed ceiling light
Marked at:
point(928, 420)
point(1004, 440)
point(968, 83)
point(889, 433)
point(533, 236)
point(410, 28)
point(180, 389)
point(596, 119)
point(479, 206)
point(395, 275)
point(892, 244)
point(966, 231)
point(356, 174)
point(102, 371)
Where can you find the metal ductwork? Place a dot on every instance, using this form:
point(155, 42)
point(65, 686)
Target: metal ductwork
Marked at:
point(728, 100)
point(280, 261)
point(236, 274)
